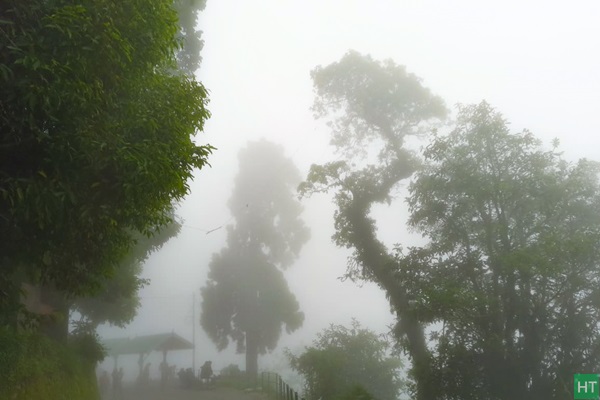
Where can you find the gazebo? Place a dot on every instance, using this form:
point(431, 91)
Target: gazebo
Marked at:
point(144, 345)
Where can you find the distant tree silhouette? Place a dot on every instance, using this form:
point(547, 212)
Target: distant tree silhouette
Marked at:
point(246, 299)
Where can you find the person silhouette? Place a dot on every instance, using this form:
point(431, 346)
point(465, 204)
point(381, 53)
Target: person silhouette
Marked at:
point(104, 384)
point(206, 372)
point(117, 376)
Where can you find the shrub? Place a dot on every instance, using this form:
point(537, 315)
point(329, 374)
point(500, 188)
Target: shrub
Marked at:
point(33, 367)
point(356, 393)
point(231, 371)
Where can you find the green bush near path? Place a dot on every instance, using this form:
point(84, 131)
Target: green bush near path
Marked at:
point(33, 367)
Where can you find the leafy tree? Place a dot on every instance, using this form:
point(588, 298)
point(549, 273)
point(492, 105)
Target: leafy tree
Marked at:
point(118, 301)
point(508, 286)
point(510, 277)
point(246, 299)
point(348, 363)
point(95, 138)
point(372, 107)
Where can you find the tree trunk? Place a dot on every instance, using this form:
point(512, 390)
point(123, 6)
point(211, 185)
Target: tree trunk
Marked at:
point(12, 303)
point(56, 325)
point(9, 302)
point(251, 355)
point(373, 255)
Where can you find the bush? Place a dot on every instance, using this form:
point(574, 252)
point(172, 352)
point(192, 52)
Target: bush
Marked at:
point(356, 393)
point(86, 343)
point(33, 367)
point(342, 358)
point(231, 371)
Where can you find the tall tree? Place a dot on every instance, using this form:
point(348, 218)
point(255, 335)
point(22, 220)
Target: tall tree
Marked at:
point(342, 358)
point(511, 276)
point(95, 137)
point(118, 301)
point(246, 298)
point(372, 107)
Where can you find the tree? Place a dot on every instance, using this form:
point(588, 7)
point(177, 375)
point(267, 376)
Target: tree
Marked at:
point(348, 362)
point(246, 298)
point(96, 138)
point(118, 302)
point(372, 107)
point(510, 279)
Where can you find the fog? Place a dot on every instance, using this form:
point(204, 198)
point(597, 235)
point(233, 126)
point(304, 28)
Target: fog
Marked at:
point(536, 62)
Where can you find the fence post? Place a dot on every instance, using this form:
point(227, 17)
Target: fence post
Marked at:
point(279, 387)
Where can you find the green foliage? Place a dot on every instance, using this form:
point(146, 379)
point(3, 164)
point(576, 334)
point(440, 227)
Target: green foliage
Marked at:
point(189, 55)
point(356, 393)
point(96, 135)
point(348, 363)
point(246, 299)
point(372, 107)
point(35, 368)
point(86, 343)
point(245, 292)
point(365, 101)
point(508, 285)
point(118, 302)
point(511, 274)
point(230, 371)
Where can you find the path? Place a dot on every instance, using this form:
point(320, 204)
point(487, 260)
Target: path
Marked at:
point(171, 393)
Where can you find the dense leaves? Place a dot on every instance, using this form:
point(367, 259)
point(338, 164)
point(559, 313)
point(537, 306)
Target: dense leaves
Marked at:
point(343, 358)
point(507, 288)
point(511, 275)
point(246, 298)
point(95, 135)
point(369, 102)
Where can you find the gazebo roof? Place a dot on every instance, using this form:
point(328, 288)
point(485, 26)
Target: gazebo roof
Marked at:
point(146, 344)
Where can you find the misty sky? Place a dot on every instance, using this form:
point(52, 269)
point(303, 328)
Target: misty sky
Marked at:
point(537, 62)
